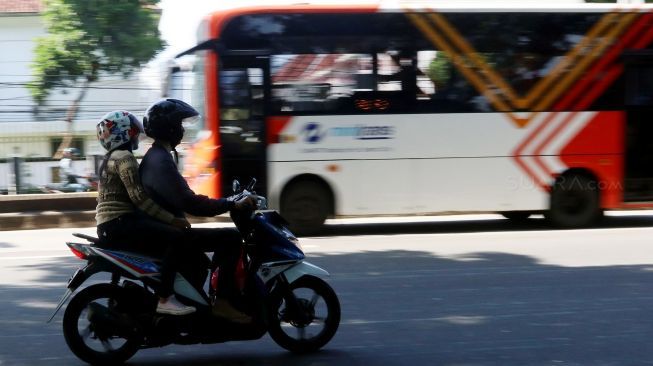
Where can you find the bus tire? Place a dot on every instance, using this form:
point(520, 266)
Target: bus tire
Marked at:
point(574, 202)
point(305, 204)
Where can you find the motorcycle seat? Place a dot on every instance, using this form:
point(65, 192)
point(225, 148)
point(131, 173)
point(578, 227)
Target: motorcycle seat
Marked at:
point(92, 239)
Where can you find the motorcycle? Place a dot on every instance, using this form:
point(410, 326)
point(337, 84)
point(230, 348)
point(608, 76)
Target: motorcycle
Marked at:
point(82, 183)
point(107, 323)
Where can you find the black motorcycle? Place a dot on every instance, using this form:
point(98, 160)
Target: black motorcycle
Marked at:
point(108, 323)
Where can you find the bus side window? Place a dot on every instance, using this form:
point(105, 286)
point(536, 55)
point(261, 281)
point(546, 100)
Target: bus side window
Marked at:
point(397, 70)
point(314, 83)
point(443, 88)
point(639, 92)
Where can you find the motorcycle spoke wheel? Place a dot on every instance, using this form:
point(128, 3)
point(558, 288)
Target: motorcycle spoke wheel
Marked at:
point(86, 332)
point(304, 321)
point(93, 342)
point(301, 333)
point(107, 345)
point(98, 343)
point(309, 323)
point(314, 299)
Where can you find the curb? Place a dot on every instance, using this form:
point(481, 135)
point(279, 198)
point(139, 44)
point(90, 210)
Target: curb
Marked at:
point(46, 220)
point(38, 203)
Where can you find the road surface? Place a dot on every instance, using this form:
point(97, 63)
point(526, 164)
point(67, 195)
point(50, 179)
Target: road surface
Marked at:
point(463, 290)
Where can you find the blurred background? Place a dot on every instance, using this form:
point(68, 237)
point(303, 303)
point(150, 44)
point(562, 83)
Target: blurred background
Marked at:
point(65, 64)
point(61, 71)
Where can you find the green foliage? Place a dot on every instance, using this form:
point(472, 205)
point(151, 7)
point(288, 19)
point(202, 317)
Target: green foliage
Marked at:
point(439, 70)
point(87, 37)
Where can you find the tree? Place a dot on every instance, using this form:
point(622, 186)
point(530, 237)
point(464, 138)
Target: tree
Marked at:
point(88, 38)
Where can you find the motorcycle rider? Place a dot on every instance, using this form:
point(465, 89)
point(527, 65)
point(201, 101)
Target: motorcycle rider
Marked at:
point(127, 219)
point(161, 179)
point(66, 172)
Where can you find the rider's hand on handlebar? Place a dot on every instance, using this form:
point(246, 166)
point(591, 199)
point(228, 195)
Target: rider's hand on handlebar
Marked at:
point(248, 202)
point(180, 223)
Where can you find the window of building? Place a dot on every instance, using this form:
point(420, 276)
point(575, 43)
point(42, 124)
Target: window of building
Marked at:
point(77, 142)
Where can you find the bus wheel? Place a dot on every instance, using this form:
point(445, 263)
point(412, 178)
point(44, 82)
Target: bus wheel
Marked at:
point(574, 202)
point(516, 216)
point(306, 206)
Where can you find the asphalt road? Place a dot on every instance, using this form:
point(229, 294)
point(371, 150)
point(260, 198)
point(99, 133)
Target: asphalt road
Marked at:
point(468, 290)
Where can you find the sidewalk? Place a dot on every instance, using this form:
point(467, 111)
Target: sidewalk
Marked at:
point(36, 211)
point(62, 219)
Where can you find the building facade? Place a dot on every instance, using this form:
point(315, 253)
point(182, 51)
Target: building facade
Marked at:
point(34, 132)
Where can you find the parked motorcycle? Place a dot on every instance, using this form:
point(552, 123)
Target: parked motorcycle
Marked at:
point(107, 323)
point(86, 183)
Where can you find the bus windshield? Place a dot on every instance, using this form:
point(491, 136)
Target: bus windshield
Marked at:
point(186, 82)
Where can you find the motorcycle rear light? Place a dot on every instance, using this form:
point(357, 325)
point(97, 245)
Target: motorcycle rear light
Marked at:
point(78, 253)
point(78, 250)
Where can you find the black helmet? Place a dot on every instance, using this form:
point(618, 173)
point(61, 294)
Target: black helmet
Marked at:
point(163, 120)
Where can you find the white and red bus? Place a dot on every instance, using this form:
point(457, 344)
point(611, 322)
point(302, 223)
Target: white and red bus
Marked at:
point(411, 109)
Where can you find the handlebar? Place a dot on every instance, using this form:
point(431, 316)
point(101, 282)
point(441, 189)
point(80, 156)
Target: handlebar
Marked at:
point(261, 202)
point(250, 186)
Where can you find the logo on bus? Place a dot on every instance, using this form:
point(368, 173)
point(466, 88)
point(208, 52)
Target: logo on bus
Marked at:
point(314, 132)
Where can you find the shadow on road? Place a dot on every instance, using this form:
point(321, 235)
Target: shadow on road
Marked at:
point(279, 358)
point(401, 306)
point(471, 226)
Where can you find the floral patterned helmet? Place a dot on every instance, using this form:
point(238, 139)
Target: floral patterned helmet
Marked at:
point(118, 128)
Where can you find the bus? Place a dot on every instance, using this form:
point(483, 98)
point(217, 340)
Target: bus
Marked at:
point(402, 108)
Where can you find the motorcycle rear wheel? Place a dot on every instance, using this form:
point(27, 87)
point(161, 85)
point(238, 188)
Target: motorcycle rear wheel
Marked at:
point(317, 322)
point(87, 340)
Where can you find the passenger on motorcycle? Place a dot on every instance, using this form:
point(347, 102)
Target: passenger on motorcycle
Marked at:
point(67, 174)
point(127, 219)
point(163, 122)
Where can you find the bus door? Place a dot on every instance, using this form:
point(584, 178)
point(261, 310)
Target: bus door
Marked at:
point(242, 94)
point(639, 126)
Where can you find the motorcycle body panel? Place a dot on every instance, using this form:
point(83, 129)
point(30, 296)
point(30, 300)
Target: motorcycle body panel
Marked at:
point(304, 268)
point(135, 264)
point(269, 271)
point(274, 242)
point(184, 288)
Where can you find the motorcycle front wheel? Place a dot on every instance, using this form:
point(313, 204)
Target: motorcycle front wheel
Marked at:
point(91, 326)
point(310, 321)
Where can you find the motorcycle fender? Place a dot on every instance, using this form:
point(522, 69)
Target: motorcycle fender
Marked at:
point(304, 268)
point(81, 275)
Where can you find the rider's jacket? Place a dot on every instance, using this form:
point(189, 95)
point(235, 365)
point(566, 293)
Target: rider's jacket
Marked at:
point(120, 191)
point(168, 188)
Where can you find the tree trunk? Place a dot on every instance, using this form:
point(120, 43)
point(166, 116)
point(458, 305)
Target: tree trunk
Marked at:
point(70, 117)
